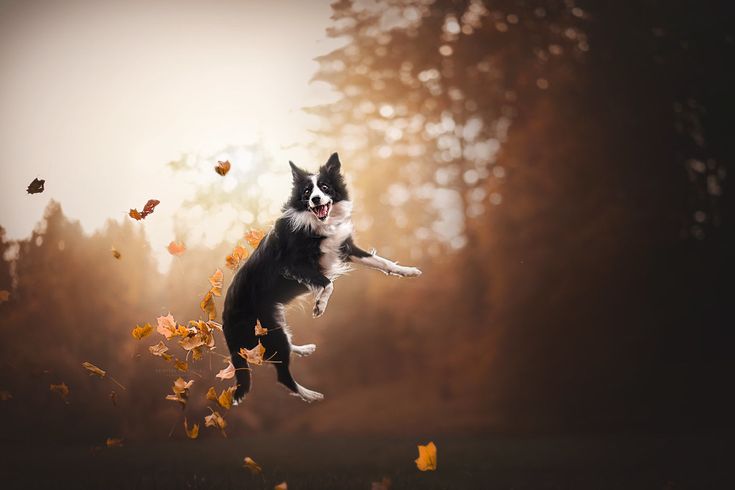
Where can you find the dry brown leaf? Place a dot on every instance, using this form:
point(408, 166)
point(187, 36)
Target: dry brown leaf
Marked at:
point(222, 167)
point(251, 465)
point(36, 186)
point(142, 331)
point(259, 330)
point(60, 389)
point(147, 209)
point(167, 326)
point(216, 420)
point(212, 394)
point(176, 248)
point(226, 373)
point(254, 355)
point(207, 306)
point(181, 391)
point(216, 280)
point(192, 433)
point(281, 486)
point(254, 237)
point(94, 369)
point(4, 295)
point(427, 457)
point(114, 442)
point(196, 353)
point(236, 257)
point(115, 253)
point(225, 398)
point(159, 350)
point(181, 365)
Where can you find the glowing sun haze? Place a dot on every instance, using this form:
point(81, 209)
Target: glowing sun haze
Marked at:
point(97, 97)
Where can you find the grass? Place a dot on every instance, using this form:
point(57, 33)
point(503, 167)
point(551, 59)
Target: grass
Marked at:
point(350, 462)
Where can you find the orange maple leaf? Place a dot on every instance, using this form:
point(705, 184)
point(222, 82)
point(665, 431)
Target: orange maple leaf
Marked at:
point(254, 355)
point(253, 237)
point(222, 167)
point(176, 248)
point(216, 420)
point(207, 306)
point(259, 329)
point(142, 331)
point(427, 457)
point(216, 281)
point(235, 258)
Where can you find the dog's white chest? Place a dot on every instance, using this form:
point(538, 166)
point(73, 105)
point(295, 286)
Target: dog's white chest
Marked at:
point(330, 262)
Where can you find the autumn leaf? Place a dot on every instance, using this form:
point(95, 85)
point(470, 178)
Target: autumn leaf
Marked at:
point(222, 167)
point(176, 248)
point(4, 296)
point(212, 394)
point(36, 186)
point(216, 281)
point(114, 442)
point(226, 373)
point(253, 237)
point(281, 486)
point(192, 433)
point(225, 398)
point(167, 326)
point(427, 457)
point(181, 391)
point(181, 365)
point(160, 350)
point(94, 369)
point(259, 330)
point(147, 209)
point(251, 465)
point(216, 420)
point(254, 355)
point(233, 260)
point(196, 353)
point(140, 332)
point(115, 253)
point(60, 389)
point(207, 306)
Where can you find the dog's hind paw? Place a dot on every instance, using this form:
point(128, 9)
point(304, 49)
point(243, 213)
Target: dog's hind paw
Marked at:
point(308, 395)
point(303, 350)
point(239, 396)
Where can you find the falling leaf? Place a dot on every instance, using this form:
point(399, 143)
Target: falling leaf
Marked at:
point(225, 398)
point(233, 260)
point(254, 355)
point(251, 465)
point(212, 394)
point(5, 395)
point(281, 486)
point(36, 187)
point(216, 420)
point(181, 365)
point(192, 433)
point(196, 353)
point(259, 330)
point(116, 254)
point(253, 237)
point(226, 373)
point(216, 281)
point(181, 391)
point(114, 442)
point(160, 350)
point(147, 209)
point(4, 296)
point(427, 457)
point(94, 369)
point(176, 248)
point(60, 389)
point(207, 306)
point(222, 167)
point(167, 326)
point(113, 397)
point(384, 484)
point(140, 332)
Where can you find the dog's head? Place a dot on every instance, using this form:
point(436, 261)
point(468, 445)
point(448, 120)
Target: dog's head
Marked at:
point(318, 193)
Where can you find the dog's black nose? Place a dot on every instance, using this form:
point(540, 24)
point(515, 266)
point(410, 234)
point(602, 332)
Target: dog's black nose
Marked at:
point(316, 199)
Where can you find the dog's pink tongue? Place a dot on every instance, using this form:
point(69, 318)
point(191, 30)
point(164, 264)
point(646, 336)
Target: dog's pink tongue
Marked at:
point(321, 211)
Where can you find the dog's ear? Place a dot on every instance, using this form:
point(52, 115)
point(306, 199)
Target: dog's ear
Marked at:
point(298, 174)
point(333, 165)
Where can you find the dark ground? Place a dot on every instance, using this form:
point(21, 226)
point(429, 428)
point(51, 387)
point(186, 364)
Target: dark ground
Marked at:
point(317, 462)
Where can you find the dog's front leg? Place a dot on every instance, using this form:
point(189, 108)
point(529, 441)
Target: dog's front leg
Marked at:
point(375, 261)
point(317, 282)
point(321, 297)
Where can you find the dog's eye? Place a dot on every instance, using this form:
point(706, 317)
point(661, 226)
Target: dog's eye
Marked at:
point(307, 192)
point(324, 187)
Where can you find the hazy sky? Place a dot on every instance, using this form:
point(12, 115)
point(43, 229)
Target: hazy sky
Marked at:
point(97, 96)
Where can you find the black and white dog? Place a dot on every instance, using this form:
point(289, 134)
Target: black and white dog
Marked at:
point(308, 248)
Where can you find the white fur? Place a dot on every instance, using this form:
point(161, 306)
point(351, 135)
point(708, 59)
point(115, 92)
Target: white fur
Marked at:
point(386, 266)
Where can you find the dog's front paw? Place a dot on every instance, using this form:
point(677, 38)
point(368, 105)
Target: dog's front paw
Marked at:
point(408, 272)
point(319, 308)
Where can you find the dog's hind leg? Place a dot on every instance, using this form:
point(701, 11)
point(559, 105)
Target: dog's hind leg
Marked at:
point(238, 336)
point(303, 350)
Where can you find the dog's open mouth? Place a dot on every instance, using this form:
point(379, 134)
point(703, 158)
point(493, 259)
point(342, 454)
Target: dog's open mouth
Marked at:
point(321, 211)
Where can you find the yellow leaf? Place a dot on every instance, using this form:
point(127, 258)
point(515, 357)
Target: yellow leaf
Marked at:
point(159, 350)
point(181, 391)
point(207, 306)
point(167, 326)
point(140, 332)
point(222, 167)
point(254, 355)
point(94, 369)
point(233, 260)
point(181, 365)
point(216, 280)
point(253, 237)
point(212, 394)
point(259, 330)
point(281, 486)
point(61, 389)
point(226, 373)
point(225, 398)
point(216, 420)
point(192, 433)
point(196, 353)
point(251, 465)
point(427, 457)
point(176, 248)
point(114, 442)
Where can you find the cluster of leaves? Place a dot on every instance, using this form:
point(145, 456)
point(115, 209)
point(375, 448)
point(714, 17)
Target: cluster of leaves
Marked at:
point(147, 209)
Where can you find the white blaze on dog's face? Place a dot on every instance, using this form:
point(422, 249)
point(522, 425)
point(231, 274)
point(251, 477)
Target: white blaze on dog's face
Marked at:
point(320, 202)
